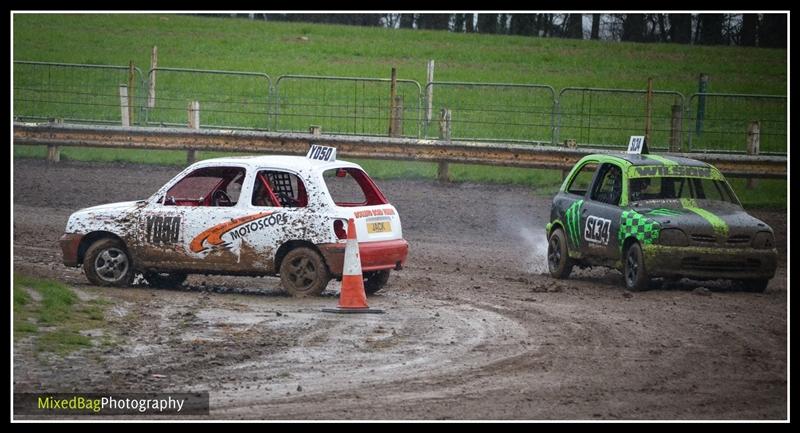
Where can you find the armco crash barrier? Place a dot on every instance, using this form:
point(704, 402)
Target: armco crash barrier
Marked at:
point(352, 297)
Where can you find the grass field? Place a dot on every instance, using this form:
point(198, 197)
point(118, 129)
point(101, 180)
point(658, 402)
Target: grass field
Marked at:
point(278, 48)
point(54, 316)
point(311, 49)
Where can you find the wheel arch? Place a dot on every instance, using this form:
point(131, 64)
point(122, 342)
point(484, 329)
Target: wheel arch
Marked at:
point(93, 237)
point(627, 243)
point(288, 246)
point(556, 224)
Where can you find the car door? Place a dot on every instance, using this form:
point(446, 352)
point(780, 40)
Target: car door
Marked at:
point(568, 203)
point(600, 214)
point(185, 228)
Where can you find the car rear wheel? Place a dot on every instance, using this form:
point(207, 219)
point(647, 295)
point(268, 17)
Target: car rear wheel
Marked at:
point(374, 281)
point(165, 280)
point(558, 261)
point(759, 285)
point(107, 263)
point(303, 272)
point(636, 278)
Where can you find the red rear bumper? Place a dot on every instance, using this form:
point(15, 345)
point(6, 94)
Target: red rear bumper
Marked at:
point(69, 247)
point(375, 256)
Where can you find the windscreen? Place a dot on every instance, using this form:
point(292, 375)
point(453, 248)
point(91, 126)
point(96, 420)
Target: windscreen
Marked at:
point(675, 187)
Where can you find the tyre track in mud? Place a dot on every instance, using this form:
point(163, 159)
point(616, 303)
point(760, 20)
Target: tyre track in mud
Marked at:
point(582, 348)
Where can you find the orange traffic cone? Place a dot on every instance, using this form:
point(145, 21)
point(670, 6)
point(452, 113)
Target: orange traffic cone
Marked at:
point(352, 298)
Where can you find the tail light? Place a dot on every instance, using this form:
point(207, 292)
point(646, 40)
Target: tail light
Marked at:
point(338, 229)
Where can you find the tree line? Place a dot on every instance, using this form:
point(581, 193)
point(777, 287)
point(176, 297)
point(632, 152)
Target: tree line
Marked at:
point(754, 30)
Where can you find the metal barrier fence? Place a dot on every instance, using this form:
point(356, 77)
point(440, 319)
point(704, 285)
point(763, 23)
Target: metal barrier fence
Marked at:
point(346, 105)
point(362, 106)
point(608, 117)
point(719, 122)
point(490, 111)
point(75, 92)
point(229, 99)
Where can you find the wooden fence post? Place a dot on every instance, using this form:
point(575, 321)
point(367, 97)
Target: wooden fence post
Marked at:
point(648, 123)
point(675, 134)
point(151, 83)
point(131, 92)
point(53, 150)
point(702, 87)
point(443, 171)
point(753, 145)
point(194, 123)
point(429, 94)
point(124, 105)
point(570, 144)
point(397, 117)
point(392, 96)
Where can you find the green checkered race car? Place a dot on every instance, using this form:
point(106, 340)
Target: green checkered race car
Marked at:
point(656, 217)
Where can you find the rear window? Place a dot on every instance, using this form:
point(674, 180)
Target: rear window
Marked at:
point(351, 187)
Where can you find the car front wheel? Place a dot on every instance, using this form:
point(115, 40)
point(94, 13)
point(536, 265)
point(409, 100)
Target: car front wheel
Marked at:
point(303, 272)
point(635, 274)
point(558, 261)
point(107, 263)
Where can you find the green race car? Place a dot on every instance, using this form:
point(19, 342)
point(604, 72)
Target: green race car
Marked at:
point(656, 216)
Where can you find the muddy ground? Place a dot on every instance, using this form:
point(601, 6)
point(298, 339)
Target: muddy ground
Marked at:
point(473, 328)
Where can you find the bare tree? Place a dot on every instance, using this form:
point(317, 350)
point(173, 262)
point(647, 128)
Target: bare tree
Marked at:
point(680, 28)
point(595, 26)
point(574, 26)
point(406, 21)
point(487, 23)
point(772, 31)
point(749, 30)
point(470, 24)
point(633, 27)
point(458, 23)
point(710, 29)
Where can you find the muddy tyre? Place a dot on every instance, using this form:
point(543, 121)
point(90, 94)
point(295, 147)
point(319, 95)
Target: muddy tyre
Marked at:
point(304, 273)
point(634, 272)
point(164, 280)
point(107, 263)
point(758, 286)
point(374, 281)
point(558, 261)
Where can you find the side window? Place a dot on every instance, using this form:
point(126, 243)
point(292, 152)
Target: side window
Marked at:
point(351, 187)
point(608, 186)
point(279, 189)
point(208, 186)
point(581, 181)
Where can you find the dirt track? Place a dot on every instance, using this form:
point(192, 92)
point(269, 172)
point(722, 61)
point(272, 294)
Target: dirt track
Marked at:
point(473, 329)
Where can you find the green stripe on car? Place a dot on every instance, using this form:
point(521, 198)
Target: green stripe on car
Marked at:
point(719, 225)
point(573, 220)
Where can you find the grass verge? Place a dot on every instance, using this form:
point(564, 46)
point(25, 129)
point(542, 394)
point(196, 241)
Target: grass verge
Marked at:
point(54, 315)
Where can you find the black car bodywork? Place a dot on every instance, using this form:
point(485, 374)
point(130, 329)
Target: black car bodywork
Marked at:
point(656, 216)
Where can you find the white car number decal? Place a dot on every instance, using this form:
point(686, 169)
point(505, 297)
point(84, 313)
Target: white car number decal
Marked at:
point(597, 230)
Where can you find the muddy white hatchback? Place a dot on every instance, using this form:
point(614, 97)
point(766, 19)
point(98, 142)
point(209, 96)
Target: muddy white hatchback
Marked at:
point(256, 216)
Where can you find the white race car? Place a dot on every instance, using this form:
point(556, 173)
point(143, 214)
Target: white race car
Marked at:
point(261, 215)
